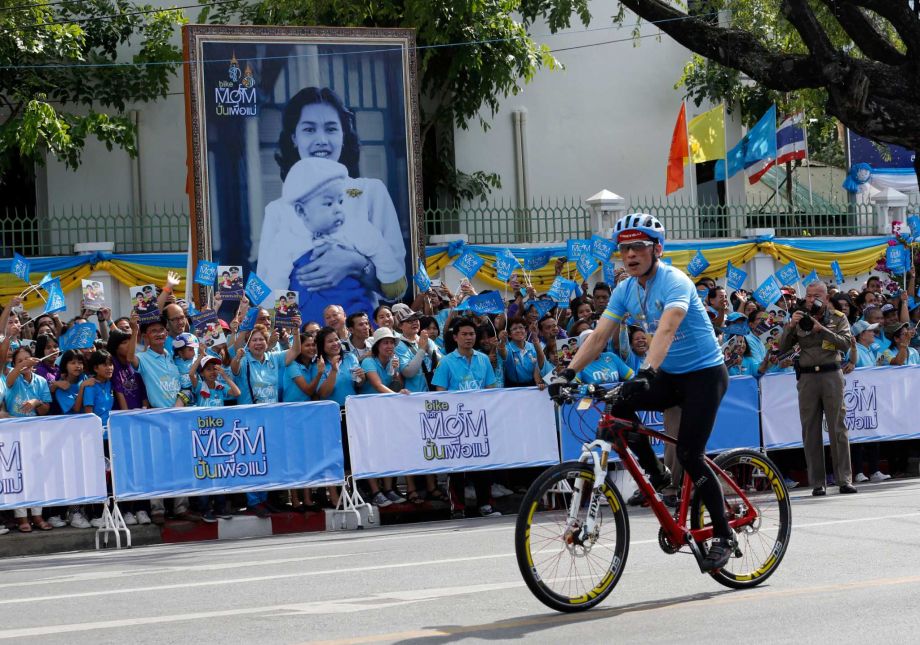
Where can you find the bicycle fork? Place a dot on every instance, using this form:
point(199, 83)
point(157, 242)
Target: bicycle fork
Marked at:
point(579, 535)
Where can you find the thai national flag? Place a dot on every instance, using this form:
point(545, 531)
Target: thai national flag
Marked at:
point(790, 139)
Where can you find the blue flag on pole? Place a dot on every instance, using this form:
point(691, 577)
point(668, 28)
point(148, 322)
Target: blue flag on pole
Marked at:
point(734, 277)
point(55, 300)
point(697, 264)
point(811, 277)
point(897, 258)
point(602, 248)
point(913, 221)
point(534, 261)
point(486, 303)
point(256, 290)
point(46, 281)
point(249, 322)
point(768, 292)
point(79, 336)
point(838, 272)
point(206, 273)
point(755, 153)
point(586, 265)
point(422, 281)
point(610, 276)
point(789, 274)
point(505, 264)
point(561, 291)
point(542, 306)
point(469, 264)
point(577, 249)
point(20, 267)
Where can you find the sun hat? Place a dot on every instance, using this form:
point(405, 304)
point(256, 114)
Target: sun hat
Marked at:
point(403, 313)
point(861, 325)
point(380, 334)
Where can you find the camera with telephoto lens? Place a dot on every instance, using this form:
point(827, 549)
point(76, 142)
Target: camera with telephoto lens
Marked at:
point(807, 323)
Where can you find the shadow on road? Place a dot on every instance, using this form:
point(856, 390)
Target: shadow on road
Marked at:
point(527, 625)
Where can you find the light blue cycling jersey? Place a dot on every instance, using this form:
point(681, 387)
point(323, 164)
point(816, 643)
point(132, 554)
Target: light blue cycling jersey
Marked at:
point(695, 346)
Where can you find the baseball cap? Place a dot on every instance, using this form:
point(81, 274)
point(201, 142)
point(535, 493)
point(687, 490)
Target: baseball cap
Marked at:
point(861, 325)
point(403, 313)
point(787, 291)
point(207, 359)
point(735, 315)
point(888, 307)
point(894, 329)
point(185, 339)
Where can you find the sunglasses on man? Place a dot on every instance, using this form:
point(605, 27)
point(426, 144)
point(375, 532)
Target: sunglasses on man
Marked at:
point(635, 246)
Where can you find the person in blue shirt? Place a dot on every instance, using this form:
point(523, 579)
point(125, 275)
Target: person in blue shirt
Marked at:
point(261, 372)
point(900, 352)
point(464, 369)
point(864, 337)
point(524, 361)
point(98, 397)
point(301, 378)
point(67, 396)
point(211, 384)
point(684, 366)
point(738, 358)
point(342, 374)
point(27, 393)
point(417, 355)
point(606, 368)
point(185, 348)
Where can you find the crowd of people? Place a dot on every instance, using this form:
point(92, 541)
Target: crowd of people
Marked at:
point(432, 344)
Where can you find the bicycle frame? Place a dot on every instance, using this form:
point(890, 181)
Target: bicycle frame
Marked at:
point(675, 528)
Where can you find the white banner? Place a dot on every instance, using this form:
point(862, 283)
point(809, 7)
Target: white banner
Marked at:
point(880, 402)
point(441, 432)
point(51, 461)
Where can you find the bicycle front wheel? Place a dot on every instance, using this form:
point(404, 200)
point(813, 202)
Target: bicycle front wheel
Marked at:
point(567, 568)
point(761, 545)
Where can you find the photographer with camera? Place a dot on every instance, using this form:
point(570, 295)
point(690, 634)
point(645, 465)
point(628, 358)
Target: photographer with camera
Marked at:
point(823, 335)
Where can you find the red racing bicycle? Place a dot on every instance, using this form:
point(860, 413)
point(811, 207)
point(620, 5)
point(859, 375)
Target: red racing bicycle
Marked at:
point(572, 533)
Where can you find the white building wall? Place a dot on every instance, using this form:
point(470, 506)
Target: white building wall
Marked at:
point(605, 121)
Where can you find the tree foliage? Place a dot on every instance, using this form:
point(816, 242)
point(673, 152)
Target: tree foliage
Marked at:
point(856, 60)
point(471, 55)
point(59, 85)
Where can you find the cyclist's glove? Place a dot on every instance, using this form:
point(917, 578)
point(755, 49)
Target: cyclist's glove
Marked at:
point(558, 382)
point(639, 384)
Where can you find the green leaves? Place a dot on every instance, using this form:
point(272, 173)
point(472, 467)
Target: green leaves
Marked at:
point(55, 57)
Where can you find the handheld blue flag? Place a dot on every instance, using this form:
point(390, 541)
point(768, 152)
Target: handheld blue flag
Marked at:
point(46, 281)
point(79, 336)
point(789, 274)
point(422, 281)
point(534, 261)
point(55, 300)
point(20, 267)
point(505, 264)
point(697, 264)
point(206, 273)
point(811, 277)
point(463, 306)
point(768, 292)
point(610, 276)
point(602, 248)
point(838, 272)
point(256, 290)
point(734, 277)
point(560, 291)
point(586, 265)
point(486, 303)
point(897, 258)
point(455, 248)
point(249, 322)
point(576, 249)
point(542, 306)
point(469, 264)
point(913, 221)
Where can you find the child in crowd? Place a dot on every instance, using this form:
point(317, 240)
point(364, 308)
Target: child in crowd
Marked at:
point(211, 385)
point(185, 347)
point(67, 391)
point(314, 188)
point(98, 395)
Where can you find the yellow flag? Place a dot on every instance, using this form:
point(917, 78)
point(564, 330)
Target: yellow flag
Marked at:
point(707, 135)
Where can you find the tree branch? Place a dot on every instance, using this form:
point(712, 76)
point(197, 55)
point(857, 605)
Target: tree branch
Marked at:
point(864, 34)
point(731, 47)
point(898, 13)
point(800, 15)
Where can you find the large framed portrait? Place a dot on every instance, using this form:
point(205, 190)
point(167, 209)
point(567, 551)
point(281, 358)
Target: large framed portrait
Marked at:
point(305, 158)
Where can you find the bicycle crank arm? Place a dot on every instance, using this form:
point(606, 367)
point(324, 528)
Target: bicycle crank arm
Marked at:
point(697, 553)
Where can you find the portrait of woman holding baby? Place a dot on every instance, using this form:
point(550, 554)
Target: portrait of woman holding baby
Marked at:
point(361, 253)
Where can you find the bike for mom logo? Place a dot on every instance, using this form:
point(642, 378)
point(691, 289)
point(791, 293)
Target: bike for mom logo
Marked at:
point(224, 453)
point(458, 433)
point(10, 468)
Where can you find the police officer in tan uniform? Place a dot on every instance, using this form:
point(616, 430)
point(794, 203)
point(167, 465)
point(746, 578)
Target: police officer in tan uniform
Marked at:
point(821, 384)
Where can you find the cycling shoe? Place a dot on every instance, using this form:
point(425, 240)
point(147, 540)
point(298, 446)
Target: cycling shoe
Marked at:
point(720, 551)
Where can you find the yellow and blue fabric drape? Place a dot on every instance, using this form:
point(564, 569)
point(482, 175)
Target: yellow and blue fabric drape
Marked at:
point(130, 269)
point(856, 255)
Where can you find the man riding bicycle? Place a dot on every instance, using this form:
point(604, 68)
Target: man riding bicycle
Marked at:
point(684, 365)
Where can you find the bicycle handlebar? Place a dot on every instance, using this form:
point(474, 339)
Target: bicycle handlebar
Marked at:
point(612, 394)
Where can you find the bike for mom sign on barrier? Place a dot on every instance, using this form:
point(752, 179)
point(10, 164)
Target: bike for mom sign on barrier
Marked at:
point(51, 461)
point(880, 403)
point(443, 432)
point(201, 451)
point(737, 423)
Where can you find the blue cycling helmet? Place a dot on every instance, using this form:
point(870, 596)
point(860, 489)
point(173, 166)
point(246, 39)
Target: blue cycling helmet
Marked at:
point(641, 222)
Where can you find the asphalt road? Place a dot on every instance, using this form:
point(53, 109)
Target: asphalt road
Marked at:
point(852, 573)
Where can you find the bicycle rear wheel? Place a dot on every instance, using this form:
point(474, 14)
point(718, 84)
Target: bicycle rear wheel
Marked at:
point(762, 545)
point(566, 574)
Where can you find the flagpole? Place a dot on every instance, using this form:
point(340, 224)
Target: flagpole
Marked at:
point(692, 163)
point(807, 158)
point(725, 135)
